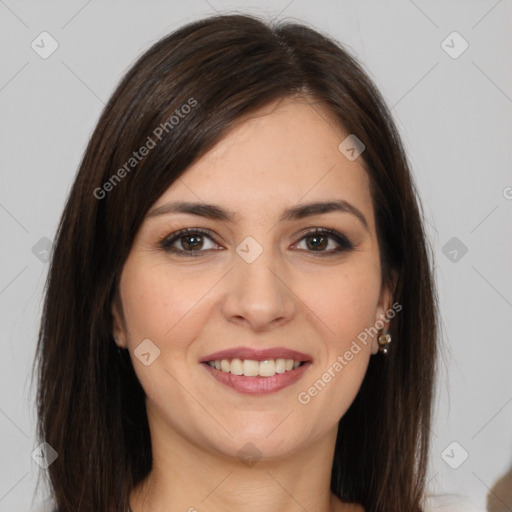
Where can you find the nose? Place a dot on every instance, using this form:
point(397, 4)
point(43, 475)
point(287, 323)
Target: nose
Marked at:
point(257, 293)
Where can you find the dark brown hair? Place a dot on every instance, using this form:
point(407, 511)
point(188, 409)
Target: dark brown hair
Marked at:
point(91, 406)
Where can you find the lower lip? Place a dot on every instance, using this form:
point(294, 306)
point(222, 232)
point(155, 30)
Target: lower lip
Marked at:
point(258, 385)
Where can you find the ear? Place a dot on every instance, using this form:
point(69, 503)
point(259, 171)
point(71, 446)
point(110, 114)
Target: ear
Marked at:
point(118, 325)
point(385, 302)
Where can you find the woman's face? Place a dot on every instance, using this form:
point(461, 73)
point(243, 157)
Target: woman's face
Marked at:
point(256, 278)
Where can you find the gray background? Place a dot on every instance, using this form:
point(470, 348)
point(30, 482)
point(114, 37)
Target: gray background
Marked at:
point(454, 115)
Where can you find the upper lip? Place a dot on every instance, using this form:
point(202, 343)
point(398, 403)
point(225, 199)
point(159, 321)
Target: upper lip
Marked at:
point(257, 354)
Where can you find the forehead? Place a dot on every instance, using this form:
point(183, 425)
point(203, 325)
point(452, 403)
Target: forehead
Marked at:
point(283, 154)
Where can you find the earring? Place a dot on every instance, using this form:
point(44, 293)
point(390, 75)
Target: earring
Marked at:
point(116, 341)
point(384, 340)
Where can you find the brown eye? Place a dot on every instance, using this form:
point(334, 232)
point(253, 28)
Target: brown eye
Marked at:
point(187, 241)
point(322, 239)
point(191, 242)
point(315, 242)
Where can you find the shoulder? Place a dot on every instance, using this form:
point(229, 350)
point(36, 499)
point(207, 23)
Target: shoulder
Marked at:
point(47, 505)
point(433, 503)
point(449, 503)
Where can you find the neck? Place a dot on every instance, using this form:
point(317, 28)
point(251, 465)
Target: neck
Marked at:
point(188, 477)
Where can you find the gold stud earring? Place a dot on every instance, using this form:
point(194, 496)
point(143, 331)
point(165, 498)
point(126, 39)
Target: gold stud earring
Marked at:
point(384, 340)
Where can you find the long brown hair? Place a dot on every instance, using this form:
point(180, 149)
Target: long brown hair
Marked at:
point(91, 406)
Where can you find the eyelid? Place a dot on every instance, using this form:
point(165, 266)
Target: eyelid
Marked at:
point(167, 241)
point(344, 242)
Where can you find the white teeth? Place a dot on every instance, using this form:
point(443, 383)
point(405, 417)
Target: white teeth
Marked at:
point(280, 365)
point(267, 368)
point(236, 367)
point(252, 368)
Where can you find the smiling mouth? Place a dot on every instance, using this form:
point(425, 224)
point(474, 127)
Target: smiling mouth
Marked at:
point(253, 368)
point(253, 377)
point(257, 371)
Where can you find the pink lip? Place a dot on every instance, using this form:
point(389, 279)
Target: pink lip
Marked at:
point(258, 385)
point(257, 355)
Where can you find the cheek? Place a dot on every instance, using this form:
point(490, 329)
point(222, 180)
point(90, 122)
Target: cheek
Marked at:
point(161, 306)
point(344, 305)
point(345, 301)
point(158, 303)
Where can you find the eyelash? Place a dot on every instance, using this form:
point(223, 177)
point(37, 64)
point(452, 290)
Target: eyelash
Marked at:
point(167, 242)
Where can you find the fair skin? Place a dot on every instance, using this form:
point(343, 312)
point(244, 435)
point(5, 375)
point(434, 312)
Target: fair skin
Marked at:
point(290, 296)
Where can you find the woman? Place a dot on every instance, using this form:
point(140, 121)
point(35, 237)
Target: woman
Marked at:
point(240, 311)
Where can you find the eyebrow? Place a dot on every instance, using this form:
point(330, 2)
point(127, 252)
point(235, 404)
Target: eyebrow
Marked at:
point(214, 212)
